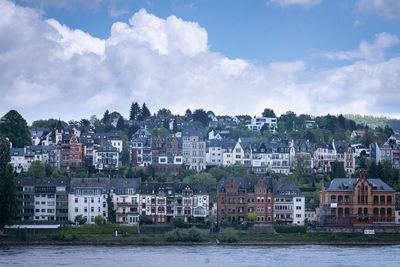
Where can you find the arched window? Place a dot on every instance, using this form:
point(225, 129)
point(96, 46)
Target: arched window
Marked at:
point(365, 211)
point(389, 212)
point(340, 212)
point(382, 211)
point(376, 212)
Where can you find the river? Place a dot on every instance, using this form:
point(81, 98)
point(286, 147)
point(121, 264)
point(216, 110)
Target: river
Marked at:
point(199, 256)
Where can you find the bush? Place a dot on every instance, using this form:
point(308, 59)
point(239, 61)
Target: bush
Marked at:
point(63, 236)
point(21, 234)
point(228, 236)
point(194, 235)
point(144, 220)
point(173, 236)
point(290, 229)
point(99, 220)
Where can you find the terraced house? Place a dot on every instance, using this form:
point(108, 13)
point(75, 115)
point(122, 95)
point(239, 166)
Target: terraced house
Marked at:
point(269, 200)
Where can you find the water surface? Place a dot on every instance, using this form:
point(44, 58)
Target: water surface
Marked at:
point(122, 256)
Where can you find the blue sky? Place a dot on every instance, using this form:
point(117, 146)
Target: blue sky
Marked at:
point(309, 56)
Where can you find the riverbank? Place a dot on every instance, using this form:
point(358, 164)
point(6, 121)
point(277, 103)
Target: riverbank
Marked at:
point(207, 240)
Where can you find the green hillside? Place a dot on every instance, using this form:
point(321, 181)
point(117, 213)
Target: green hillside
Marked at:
point(374, 121)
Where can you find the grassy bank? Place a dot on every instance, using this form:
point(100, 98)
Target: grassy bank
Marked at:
point(129, 235)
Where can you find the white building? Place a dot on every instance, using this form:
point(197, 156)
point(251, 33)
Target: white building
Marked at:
point(258, 122)
point(18, 160)
point(125, 194)
point(289, 203)
point(106, 157)
point(88, 198)
point(194, 148)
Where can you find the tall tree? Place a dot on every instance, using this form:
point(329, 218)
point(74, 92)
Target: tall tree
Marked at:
point(188, 114)
point(134, 112)
point(8, 193)
point(121, 124)
point(144, 113)
point(106, 117)
point(269, 113)
point(37, 169)
point(13, 126)
point(201, 116)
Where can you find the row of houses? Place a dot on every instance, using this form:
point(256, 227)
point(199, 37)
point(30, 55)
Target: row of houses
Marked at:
point(267, 199)
point(74, 199)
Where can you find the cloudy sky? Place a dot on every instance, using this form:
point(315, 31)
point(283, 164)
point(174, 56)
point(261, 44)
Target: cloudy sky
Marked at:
point(74, 58)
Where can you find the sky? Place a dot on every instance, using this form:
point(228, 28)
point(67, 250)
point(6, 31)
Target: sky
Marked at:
point(71, 59)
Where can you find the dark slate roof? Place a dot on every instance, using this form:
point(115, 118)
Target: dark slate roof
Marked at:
point(125, 183)
point(244, 183)
point(43, 182)
point(103, 183)
point(327, 146)
point(340, 146)
point(346, 184)
point(176, 188)
point(286, 188)
point(302, 146)
point(107, 147)
point(193, 131)
point(19, 152)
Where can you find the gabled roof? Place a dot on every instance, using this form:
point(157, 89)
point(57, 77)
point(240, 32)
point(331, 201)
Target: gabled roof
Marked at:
point(125, 183)
point(244, 183)
point(43, 181)
point(340, 146)
point(286, 188)
point(17, 152)
point(346, 184)
point(107, 147)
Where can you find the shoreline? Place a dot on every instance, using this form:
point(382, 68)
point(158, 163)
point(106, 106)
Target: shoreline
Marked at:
point(207, 243)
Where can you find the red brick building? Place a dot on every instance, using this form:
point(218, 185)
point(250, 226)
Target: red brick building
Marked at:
point(72, 153)
point(239, 196)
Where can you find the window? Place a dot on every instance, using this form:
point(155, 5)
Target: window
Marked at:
point(76, 209)
point(92, 209)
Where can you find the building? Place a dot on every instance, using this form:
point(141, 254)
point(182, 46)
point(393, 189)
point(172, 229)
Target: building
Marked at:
point(324, 157)
point(240, 196)
point(345, 154)
point(106, 157)
point(258, 122)
point(18, 160)
point(72, 153)
point(42, 200)
point(88, 198)
point(141, 153)
point(125, 195)
point(355, 201)
point(161, 202)
point(289, 203)
point(194, 148)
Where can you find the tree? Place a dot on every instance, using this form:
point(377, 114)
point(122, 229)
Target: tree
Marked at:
point(201, 116)
point(188, 114)
point(125, 156)
point(50, 123)
point(37, 169)
point(164, 112)
point(99, 220)
point(110, 209)
point(268, 113)
point(303, 164)
point(144, 113)
point(8, 191)
point(80, 219)
point(120, 124)
point(205, 179)
point(251, 216)
point(13, 126)
point(174, 127)
point(106, 117)
point(338, 169)
point(134, 112)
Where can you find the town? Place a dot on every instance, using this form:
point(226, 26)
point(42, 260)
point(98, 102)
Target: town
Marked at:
point(326, 171)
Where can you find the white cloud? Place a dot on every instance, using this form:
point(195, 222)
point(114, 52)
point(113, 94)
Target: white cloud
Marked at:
point(54, 71)
point(303, 3)
point(76, 41)
point(368, 51)
point(387, 9)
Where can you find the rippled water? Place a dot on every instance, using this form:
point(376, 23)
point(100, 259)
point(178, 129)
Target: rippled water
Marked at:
point(199, 256)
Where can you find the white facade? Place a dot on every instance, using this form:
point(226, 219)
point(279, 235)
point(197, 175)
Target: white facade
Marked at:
point(194, 152)
point(258, 122)
point(88, 202)
point(214, 155)
point(298, 210)
point(105, 159)
point(126, 208)
point(45, 207)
